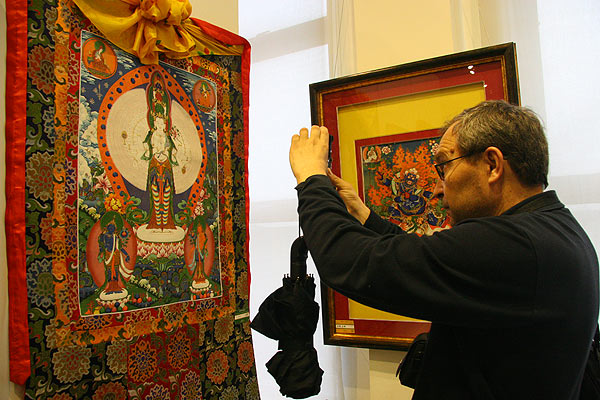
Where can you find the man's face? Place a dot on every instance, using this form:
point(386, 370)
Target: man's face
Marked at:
point(464, 191)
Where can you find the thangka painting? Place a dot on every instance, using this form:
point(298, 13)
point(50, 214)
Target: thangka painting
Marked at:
point(148, 215)
point(396, 179)
point(127, 190)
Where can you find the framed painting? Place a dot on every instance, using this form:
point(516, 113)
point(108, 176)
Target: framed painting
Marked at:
point(385, 131)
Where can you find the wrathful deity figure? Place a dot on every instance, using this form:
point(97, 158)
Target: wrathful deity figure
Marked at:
point(409, 197)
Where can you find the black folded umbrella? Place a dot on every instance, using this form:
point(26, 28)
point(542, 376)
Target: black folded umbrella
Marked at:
point(290, 315)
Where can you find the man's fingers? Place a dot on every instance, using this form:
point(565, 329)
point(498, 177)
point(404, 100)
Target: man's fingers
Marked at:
point(303, 133)
point(308, 152)
point(320, 134)
point(315, 131)
point(333, 177)
point(338, 182)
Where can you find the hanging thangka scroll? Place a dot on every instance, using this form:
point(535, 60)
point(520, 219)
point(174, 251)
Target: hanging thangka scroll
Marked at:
point(135, 263)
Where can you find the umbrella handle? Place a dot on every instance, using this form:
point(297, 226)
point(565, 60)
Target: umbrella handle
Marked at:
point(298, 256)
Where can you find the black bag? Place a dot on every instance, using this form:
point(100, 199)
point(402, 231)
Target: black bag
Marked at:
point(411, 365)
point(590, 387)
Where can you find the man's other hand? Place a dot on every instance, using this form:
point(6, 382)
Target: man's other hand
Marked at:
point(353, 203)
point(308, 153)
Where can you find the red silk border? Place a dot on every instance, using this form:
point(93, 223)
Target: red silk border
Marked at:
point(16, 122)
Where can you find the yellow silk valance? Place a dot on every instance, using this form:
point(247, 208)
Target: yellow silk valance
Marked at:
point(147, 28)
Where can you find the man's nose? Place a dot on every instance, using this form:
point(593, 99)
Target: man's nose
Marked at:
point(438, 190)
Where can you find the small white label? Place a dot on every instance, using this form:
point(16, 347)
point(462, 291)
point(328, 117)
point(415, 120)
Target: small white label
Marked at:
point(240, 316)
point(344, 326)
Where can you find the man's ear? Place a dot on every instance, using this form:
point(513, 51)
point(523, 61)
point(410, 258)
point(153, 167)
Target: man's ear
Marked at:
point(494, 160)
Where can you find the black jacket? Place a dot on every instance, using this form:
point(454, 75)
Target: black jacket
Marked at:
point(513, 299)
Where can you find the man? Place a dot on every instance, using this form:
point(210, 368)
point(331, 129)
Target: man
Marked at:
point(511, 289)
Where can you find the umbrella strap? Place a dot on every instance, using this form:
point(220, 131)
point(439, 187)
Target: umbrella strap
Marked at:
point(295, 344)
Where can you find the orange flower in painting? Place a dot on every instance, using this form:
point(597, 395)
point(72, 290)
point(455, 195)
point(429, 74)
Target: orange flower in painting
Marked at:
point(110, 390)
point(38, 177)
point(423, 163)
point(191, 387)
point(113, 203)
point(217, 367)
point(142, 361)
point(116, 356)
point(41, 68)
point(71, 363)
point(245, 355)
point(224, 328)
point(179, 350)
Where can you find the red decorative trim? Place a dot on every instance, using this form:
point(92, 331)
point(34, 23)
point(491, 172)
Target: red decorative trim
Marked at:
point(16, 116)
point(230, 38)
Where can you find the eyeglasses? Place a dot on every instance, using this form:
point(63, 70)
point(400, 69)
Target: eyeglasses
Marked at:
point(440, 166)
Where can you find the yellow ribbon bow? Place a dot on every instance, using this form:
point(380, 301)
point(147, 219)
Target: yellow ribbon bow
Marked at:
point(147, 28)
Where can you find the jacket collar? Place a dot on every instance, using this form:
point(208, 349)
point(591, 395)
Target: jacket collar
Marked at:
point(544, 201)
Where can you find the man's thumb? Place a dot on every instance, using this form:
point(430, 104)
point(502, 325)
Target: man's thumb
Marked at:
point(333, 177)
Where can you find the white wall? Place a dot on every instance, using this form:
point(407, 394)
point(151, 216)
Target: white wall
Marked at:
point(390, 32)
point(223, 13)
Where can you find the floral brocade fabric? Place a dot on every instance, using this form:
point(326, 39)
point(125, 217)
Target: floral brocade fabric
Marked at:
point(137, 287)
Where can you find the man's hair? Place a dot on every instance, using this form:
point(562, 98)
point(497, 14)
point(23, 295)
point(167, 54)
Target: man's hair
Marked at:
point(516, 131)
